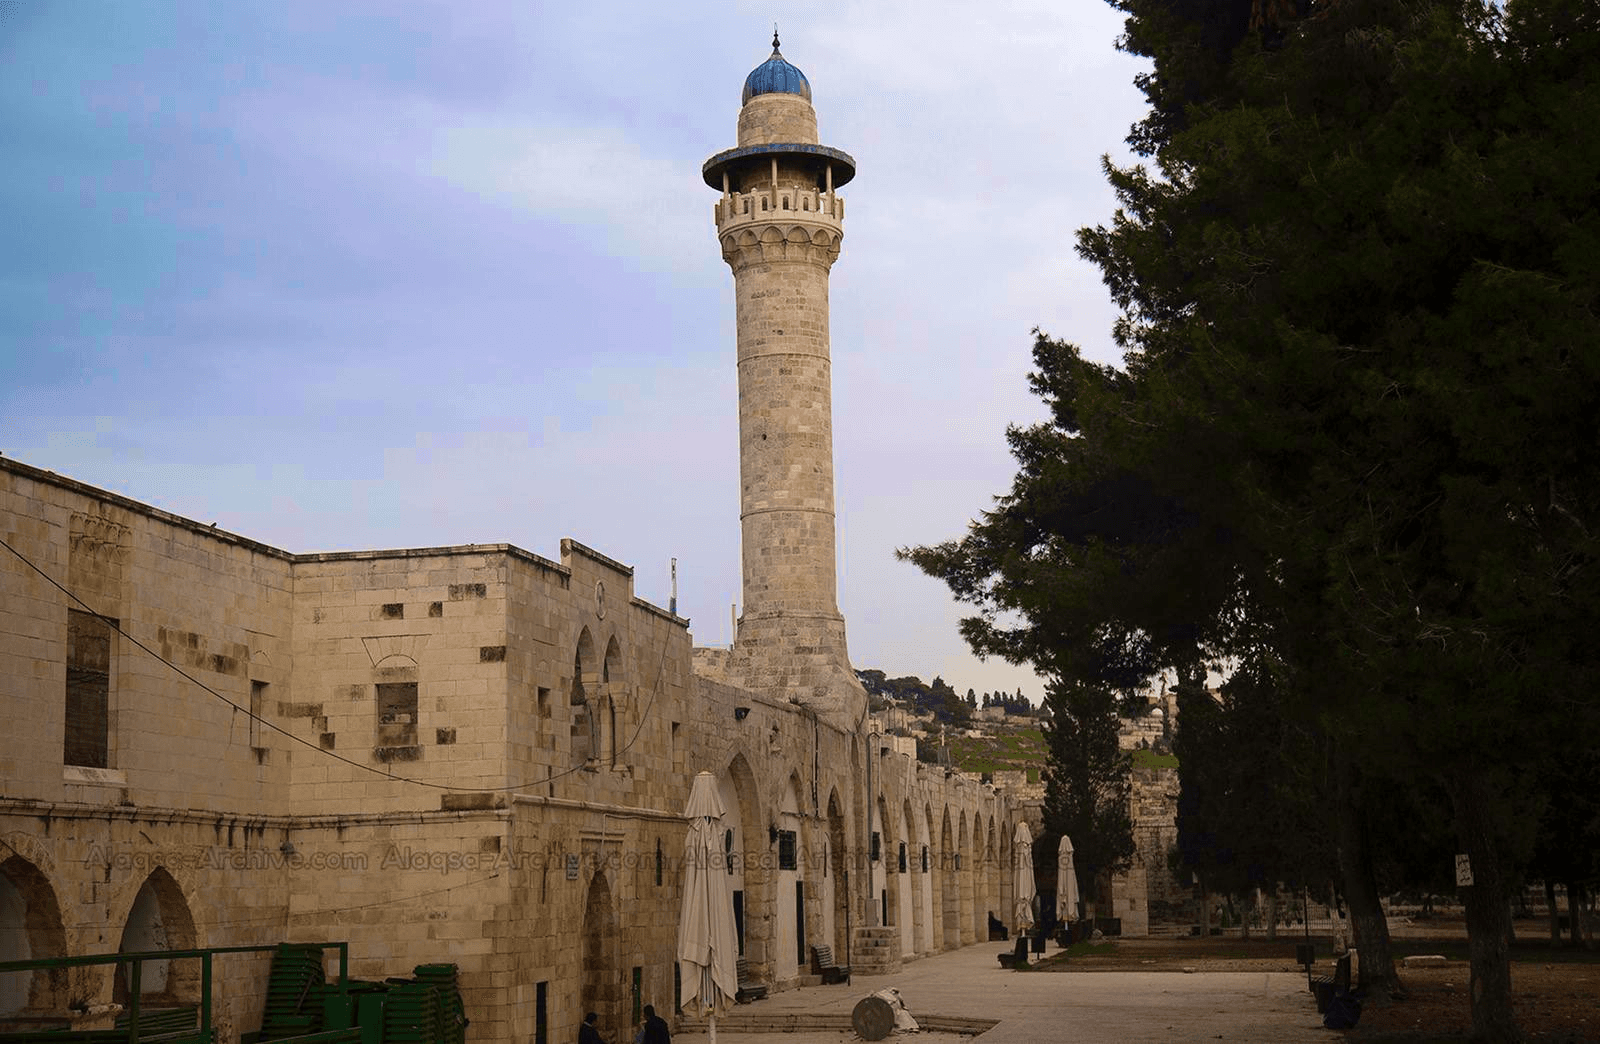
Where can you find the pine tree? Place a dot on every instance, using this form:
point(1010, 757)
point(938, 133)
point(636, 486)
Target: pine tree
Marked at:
point(1087, 781)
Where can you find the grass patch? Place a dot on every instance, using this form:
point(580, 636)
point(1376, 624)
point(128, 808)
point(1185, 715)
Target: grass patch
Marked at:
point(1006, 749)
point(1150, 759)
point(1088, 948)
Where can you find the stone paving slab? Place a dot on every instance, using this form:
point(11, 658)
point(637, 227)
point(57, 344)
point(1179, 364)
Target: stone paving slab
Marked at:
point(1088, 1007)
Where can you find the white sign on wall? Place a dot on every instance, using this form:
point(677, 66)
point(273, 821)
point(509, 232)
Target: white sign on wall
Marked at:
point(1463, 871)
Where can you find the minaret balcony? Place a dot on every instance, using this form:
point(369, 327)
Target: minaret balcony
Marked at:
point(785, 206)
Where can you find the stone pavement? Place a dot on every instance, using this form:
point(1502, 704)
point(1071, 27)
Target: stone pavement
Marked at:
point(1097, 1007)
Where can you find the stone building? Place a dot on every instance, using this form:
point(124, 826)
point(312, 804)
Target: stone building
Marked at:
point(474, 754)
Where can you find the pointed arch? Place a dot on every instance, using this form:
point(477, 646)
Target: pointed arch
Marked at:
point(791, 909)
point(838, 887)
point(1008, 869)
point(981, 870)
point(888, 899)
point(933, 901)
point(991, 879)
point(612, 685)
point(912, 927)
point(752, 892)
point(949, 888)
point(30, 927)
point(159, 918)
point(964, 881)
point(611, 667)
point(600, 988)
point(585, 681)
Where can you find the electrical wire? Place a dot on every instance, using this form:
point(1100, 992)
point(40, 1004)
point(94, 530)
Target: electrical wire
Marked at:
point(116, 626)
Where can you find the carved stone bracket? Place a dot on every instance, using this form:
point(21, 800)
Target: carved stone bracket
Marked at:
point(764, 244)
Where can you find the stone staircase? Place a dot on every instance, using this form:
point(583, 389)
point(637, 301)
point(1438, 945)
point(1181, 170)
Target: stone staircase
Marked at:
point(875, 951)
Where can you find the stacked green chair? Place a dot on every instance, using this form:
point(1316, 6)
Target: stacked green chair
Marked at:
point(411, 1015)
point(294, 994)
point(451, 1022)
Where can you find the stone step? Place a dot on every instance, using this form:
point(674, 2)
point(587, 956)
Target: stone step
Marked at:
point(793, 1022)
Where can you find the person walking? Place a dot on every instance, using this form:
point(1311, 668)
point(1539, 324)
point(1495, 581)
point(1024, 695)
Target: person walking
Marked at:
point(588, 1033)
point(655, 1028)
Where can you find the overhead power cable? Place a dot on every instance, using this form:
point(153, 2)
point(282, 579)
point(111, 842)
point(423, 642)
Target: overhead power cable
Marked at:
point(116, 626)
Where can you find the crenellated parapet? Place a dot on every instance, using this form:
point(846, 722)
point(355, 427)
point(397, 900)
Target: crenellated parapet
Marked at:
point(813, 207)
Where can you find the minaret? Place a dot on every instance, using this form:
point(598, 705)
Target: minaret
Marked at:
point(780, 221)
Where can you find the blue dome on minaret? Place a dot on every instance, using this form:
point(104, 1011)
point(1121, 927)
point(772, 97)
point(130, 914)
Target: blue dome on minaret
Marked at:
point(775, 76)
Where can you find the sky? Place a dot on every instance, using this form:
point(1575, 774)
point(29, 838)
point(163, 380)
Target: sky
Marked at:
point(410, 274)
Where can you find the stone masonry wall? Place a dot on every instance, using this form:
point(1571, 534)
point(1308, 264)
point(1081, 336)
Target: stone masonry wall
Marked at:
point(533, 835)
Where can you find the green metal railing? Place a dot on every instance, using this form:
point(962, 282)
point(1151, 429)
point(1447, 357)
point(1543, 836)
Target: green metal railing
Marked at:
point(135, 961)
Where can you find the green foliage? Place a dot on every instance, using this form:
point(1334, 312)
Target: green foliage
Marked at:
point(938, 698)
point(1087, 783)
point(1363, 277)
point(1357, 439)
point(1253, 807)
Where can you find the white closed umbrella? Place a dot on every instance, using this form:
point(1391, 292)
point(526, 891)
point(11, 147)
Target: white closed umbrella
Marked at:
point(1066, 882)
point(1024, 890)
point(708, 943)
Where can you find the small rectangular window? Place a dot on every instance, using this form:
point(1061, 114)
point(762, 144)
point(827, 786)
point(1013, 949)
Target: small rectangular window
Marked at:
point(88, 697)
point(258, 710)
point(877, 847)
point(397, 714)
point(787, 859)
point(902, 857)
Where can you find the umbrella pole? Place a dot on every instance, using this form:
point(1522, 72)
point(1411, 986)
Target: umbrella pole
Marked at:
point(711, 1029)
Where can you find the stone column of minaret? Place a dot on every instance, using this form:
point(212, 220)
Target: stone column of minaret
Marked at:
point(780, 222)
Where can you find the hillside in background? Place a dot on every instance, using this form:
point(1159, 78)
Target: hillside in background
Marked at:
point(1001, 747)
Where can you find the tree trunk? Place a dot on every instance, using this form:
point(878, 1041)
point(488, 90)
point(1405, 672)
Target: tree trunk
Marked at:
point(1488, 914)
point(1205, 913)
point(1575, 915)
point(1367, 920)
point(1336, 925)
point(1555, 911)
point(1272, 915)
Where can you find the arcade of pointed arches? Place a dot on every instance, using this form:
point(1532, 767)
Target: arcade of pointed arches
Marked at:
point(600, 708)
point(158, 915)
point(938, 888)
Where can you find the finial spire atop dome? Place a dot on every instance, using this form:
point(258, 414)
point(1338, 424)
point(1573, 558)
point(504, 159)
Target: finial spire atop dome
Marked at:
point(774, 37)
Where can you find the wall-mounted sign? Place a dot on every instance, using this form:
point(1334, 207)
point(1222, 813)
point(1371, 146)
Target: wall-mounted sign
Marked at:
point(572, 866)
point(1463, 872)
